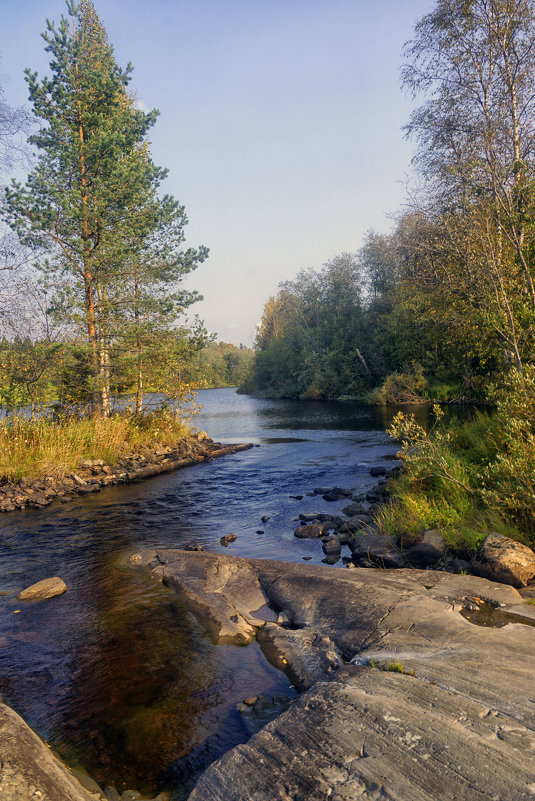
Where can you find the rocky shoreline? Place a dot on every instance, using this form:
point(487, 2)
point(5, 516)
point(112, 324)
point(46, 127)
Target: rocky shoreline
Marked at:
point(402, 697)
point(408, 691)
point(93, 475)
point(408, 700)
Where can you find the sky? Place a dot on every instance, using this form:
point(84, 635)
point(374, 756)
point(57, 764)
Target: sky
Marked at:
point(280, 124)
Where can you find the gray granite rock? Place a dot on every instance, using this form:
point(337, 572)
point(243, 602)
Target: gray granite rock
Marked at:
point(376, 549)
point(432, 706)
point(502, 559)
point(428, 551)
point(29, 771)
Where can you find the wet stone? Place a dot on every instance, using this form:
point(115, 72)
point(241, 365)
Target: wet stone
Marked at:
point(378, 471)
point(227, 539)
point(331, 545)
point(312, 530)
point(353, 509)
point(41, 590)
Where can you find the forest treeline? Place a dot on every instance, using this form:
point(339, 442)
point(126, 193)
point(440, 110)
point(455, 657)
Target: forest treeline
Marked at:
point(445, 304)
point(365, 326)
point(38, 374)
point(443, 307)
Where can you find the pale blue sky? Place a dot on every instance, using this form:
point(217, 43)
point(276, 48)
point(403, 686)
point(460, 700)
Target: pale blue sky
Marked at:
point(280, 125)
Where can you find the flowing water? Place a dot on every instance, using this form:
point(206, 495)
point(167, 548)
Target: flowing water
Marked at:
point(116, 674)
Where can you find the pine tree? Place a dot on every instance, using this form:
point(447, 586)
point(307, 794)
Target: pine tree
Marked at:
point(92, 200)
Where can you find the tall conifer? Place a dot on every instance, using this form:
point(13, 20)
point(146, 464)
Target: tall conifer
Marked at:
point(91, 202)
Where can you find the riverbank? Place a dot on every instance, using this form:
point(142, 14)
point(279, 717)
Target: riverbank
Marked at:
point(92, 475)
point(402, 695)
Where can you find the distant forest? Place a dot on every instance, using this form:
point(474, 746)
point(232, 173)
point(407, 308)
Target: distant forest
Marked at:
point(444, 306)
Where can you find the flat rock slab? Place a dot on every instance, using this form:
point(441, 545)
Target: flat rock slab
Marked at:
point(378, 735)
point(432, 706)
point(29, 771)
point(47, 588)
point(222, 591)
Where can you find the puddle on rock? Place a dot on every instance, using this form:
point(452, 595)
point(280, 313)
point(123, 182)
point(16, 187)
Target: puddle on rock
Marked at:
point(492, 617)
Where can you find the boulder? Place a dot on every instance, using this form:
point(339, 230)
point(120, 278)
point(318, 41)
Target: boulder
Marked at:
point(311, 530)
point(428, 551)
point(331, 545)
point(354, 509)
point(47, 588)
point(430, 706)
point(502, 559)
point(376, 549)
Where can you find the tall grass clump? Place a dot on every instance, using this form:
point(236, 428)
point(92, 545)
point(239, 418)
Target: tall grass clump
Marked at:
point(48, 447)
point(442, 486)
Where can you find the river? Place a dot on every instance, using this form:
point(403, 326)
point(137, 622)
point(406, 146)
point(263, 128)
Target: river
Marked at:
point(115, 674)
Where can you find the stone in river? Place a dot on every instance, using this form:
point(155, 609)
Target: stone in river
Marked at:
point(47, 588)
point(309, 531)
point(376, 549)
point(354, 509)
point(192, 546)
point(227, 539)
point(378, 471)
point(331, 545)
point(309, 517)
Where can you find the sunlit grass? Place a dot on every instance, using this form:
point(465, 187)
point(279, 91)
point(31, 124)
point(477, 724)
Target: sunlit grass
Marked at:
point(37, 448)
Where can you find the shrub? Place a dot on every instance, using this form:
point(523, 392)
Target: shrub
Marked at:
point(509, 479)
point(407, 387)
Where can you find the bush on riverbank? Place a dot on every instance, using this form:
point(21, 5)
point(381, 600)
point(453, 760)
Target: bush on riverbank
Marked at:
point(46, 447)
point(471, 479)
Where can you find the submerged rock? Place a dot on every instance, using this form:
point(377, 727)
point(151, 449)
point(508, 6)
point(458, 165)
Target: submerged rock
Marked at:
point(47, 588)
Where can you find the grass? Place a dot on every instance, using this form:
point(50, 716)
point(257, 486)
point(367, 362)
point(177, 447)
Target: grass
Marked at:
point(46, 447)
point(439, 488)
point(398, 667)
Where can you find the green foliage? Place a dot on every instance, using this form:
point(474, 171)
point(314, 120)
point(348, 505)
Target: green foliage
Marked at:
point(221, 364)
point(311, 334)
point(406, 387)
point(111, 245)
point(26, 370)
point(441, 483)
point(509, 479)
